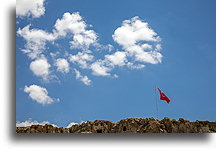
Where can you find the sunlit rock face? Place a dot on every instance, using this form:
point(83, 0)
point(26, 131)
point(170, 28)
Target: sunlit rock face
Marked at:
point(130, 125)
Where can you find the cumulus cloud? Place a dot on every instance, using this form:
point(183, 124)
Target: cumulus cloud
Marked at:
point(101, 47)
point(118, 58)
point(62, 65)
point(135, 66)
point(70, 25)
point(133, 31)
point(140, 55)
point(34, 8)
point(71, 124)
point(82, 78)
point(139, 41)
point(140, 45)
point(158, 47)
point(40, 67)
point(35, 40)
point(39, 94)
point(30, 122)
point(99, 69)
point(74, 23)
point(84, 39)
point(82, 59)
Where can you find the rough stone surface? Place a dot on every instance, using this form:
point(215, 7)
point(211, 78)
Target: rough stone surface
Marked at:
point(130, 125)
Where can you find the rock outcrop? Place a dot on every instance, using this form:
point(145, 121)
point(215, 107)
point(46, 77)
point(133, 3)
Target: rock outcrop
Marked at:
point(130, 125)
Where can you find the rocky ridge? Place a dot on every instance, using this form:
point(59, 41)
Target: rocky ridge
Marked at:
point(130, 125)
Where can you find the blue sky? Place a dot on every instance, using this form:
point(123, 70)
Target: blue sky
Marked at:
point(129, 47)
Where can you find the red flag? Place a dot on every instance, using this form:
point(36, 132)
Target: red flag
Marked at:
point(163, 96)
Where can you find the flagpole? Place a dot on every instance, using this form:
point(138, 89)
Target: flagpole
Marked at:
point(156, 103)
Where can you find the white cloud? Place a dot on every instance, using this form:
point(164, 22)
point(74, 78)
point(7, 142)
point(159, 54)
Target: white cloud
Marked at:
point(62, 65)
point(84, 40)
point(107, 47)
point(71, 124)
point(117, 58)
point(71, 23)
point(34, 8)
point(40, 67)
point(74, 23)
point(135, 66)
point(29, 122)
point(139, 53)
point(36, 40)
point(138, 40)
point(35, 34)
point(39, 94)
point(140, 45)
point(133, 31)
point(54, 54)
point(99, 69)
point(82, 59)
point(158, 47)
point(82, 78)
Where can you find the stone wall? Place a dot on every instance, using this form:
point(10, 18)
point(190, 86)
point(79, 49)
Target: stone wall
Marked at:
point(131, 125)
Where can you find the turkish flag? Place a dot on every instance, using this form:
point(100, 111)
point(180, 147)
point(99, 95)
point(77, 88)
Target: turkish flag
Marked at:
point(163, 96)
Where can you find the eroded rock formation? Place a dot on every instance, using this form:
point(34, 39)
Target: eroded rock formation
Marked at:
point(130, 125)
